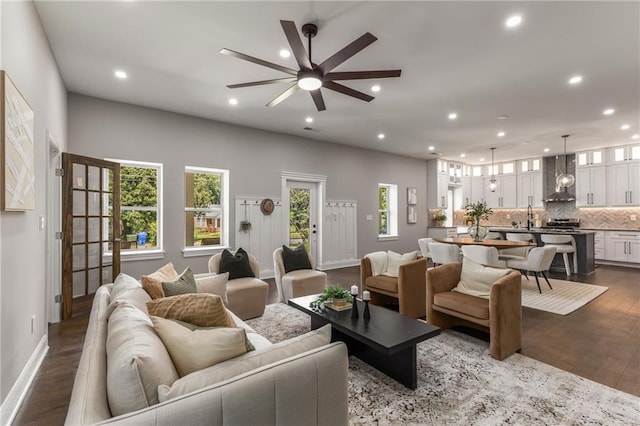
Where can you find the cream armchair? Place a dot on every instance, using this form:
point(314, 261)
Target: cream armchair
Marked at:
point(302, 282)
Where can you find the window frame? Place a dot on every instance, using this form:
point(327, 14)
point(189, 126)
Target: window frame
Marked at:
point(192, 251)
point(129, 255)
point(392, 212)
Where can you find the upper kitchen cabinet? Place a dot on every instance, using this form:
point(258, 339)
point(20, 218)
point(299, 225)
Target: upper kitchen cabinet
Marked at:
point(591, 186)
point(437, 184)
point(455, 173)
point(529, 190)
point(624, 184)
point(594, 157)
point(504, 197)
point(529, 165)
point(622, 154)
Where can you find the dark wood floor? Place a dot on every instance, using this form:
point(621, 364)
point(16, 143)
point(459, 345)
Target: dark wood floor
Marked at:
point(600, 342)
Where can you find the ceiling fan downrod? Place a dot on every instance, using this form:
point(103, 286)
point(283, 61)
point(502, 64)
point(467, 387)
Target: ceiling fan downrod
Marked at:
point(309, 31)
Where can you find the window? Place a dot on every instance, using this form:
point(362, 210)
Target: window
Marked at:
point(140, 206)
point(206, 207)
point(387, 211)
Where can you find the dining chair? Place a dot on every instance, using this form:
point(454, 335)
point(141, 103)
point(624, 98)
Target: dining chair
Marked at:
point(442, 253)
point(564, 244)
point(539, 260)
point(483, 255)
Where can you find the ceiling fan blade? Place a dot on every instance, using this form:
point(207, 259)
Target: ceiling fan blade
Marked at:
point(260, 83)
point(284, 95)
point(258, 61)
point(347, 52)
point(295, 42)
point(347, 91)
point(358, 75)
point(318, 100)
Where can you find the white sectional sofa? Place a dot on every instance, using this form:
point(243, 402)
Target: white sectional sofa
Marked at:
point(281, 384)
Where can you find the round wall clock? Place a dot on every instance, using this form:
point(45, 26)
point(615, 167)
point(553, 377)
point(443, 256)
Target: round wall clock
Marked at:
point(266, 207)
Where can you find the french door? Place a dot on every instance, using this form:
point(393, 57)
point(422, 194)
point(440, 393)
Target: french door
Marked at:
point(90, 226)
point(303, 216)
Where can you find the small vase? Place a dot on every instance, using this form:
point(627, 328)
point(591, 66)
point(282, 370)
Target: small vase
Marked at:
point(477, 231)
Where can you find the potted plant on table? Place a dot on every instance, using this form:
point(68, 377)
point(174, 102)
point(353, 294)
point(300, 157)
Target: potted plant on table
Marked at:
point(475, 212)
point(438, 218)
point(332, 294)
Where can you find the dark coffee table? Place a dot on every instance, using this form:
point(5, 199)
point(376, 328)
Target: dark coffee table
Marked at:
point(387, 341)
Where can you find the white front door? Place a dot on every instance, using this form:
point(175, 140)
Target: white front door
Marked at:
point(303, 216)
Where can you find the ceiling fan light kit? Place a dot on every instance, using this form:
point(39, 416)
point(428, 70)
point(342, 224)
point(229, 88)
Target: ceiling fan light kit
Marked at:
point(310, 76)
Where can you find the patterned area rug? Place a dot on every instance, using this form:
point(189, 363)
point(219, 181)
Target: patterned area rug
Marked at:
point(566, 296)
point(460, 384)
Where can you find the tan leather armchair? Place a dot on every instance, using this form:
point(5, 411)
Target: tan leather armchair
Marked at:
point(500, 315)
point(408, 288)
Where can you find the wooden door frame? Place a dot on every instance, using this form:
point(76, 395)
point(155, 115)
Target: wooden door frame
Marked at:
point(68, 160)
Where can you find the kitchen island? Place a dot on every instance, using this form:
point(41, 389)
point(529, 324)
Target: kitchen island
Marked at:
point(584, 246)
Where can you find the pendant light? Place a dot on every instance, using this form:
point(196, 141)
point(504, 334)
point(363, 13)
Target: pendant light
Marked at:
point(565, 179)
point(492, 180)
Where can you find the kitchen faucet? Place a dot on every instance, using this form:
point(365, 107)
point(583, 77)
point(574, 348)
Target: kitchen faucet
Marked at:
point(529, 217)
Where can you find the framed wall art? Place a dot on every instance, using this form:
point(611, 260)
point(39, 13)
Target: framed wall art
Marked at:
point(412, 214)
point(412, 196)
point(17, 137)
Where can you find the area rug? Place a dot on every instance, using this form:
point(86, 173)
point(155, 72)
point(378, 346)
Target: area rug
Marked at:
point(460, 384)
point(566, 296)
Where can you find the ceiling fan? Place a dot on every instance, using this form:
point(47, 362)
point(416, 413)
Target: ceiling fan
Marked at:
point(310, 76)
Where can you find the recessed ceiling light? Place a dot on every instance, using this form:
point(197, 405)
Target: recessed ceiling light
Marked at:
point(636, 136)
point(503, 117)
point(284, 53)
point(309, 119)
point(431, 148)
point(463, 155)
point(501, 134)
point(375, 88)
point(233, 101)
point(513, 21)
point(546, 150)
point(482, 159)
point(625, 127)
point(380, 135)
point(120, 74)
point(453, 116)
point(608, 111)
point(575, 79)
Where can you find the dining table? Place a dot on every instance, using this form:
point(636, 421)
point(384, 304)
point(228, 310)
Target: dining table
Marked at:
point(499, 244)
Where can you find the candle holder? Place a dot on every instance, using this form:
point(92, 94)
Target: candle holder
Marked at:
point(354, 305)
point(367, 314)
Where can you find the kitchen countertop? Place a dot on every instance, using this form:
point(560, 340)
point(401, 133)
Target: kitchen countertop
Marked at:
point(612, 229)
point(542, 230)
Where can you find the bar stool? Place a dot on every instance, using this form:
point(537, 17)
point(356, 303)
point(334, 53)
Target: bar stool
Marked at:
point(519, 253)
point(564, 244)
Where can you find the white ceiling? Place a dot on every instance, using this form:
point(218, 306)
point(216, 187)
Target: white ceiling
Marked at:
point(454, 56)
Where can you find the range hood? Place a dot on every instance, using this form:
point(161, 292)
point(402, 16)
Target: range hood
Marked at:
point(555, 193)
point(560, 196)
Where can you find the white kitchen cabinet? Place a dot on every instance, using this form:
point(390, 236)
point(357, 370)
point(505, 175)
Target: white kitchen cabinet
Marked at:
point(622, 246)
point(590, 158)
point(455, 173)
point(529, 165)
point(477, 189)
point(437, 184)
point(466, 193)
point(623, 181)
point(504, 197)
point(529, 190)
point(591, 186)
point(622, 154)
point(599, 245)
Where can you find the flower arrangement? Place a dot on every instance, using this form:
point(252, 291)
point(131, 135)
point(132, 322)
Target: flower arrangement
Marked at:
point(475, 212)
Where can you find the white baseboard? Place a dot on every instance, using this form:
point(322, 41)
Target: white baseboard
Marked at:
point(12, 402)
point(339, 264)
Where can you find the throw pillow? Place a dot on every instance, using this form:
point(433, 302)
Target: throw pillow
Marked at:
point(194, 348)
point(152, 283)
point(183, 284)
point(247, 362)
point(201, 309)
point(396, 260)
point(295, 259)
point(476, 279)
point(379, 260)
point(214, 284)
point(237, 265)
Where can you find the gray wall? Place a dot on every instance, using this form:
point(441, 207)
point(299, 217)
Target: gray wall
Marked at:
point(255, 158)
point(25, 55)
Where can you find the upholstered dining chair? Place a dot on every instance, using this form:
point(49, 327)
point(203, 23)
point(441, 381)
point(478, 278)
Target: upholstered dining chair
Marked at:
point(483, 255)
point(299, 282)
point(538, 260)
point(442, 253)
point(517, 252)
point(423, 244)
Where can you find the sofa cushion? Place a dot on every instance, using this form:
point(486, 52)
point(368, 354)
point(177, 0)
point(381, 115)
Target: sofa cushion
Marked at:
point(383, 282)
point(247, 362)
point(378, 261)
point(183, 284)
point(127, 289)
point(122, 283)
point(395, 260)
point(201, 309)
point(237, 265)
point(137, 361)
point(152, 283)
point(193, 348)
point(295, 259)
point(476, 307)
point(476, 279)
point(213, 284)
